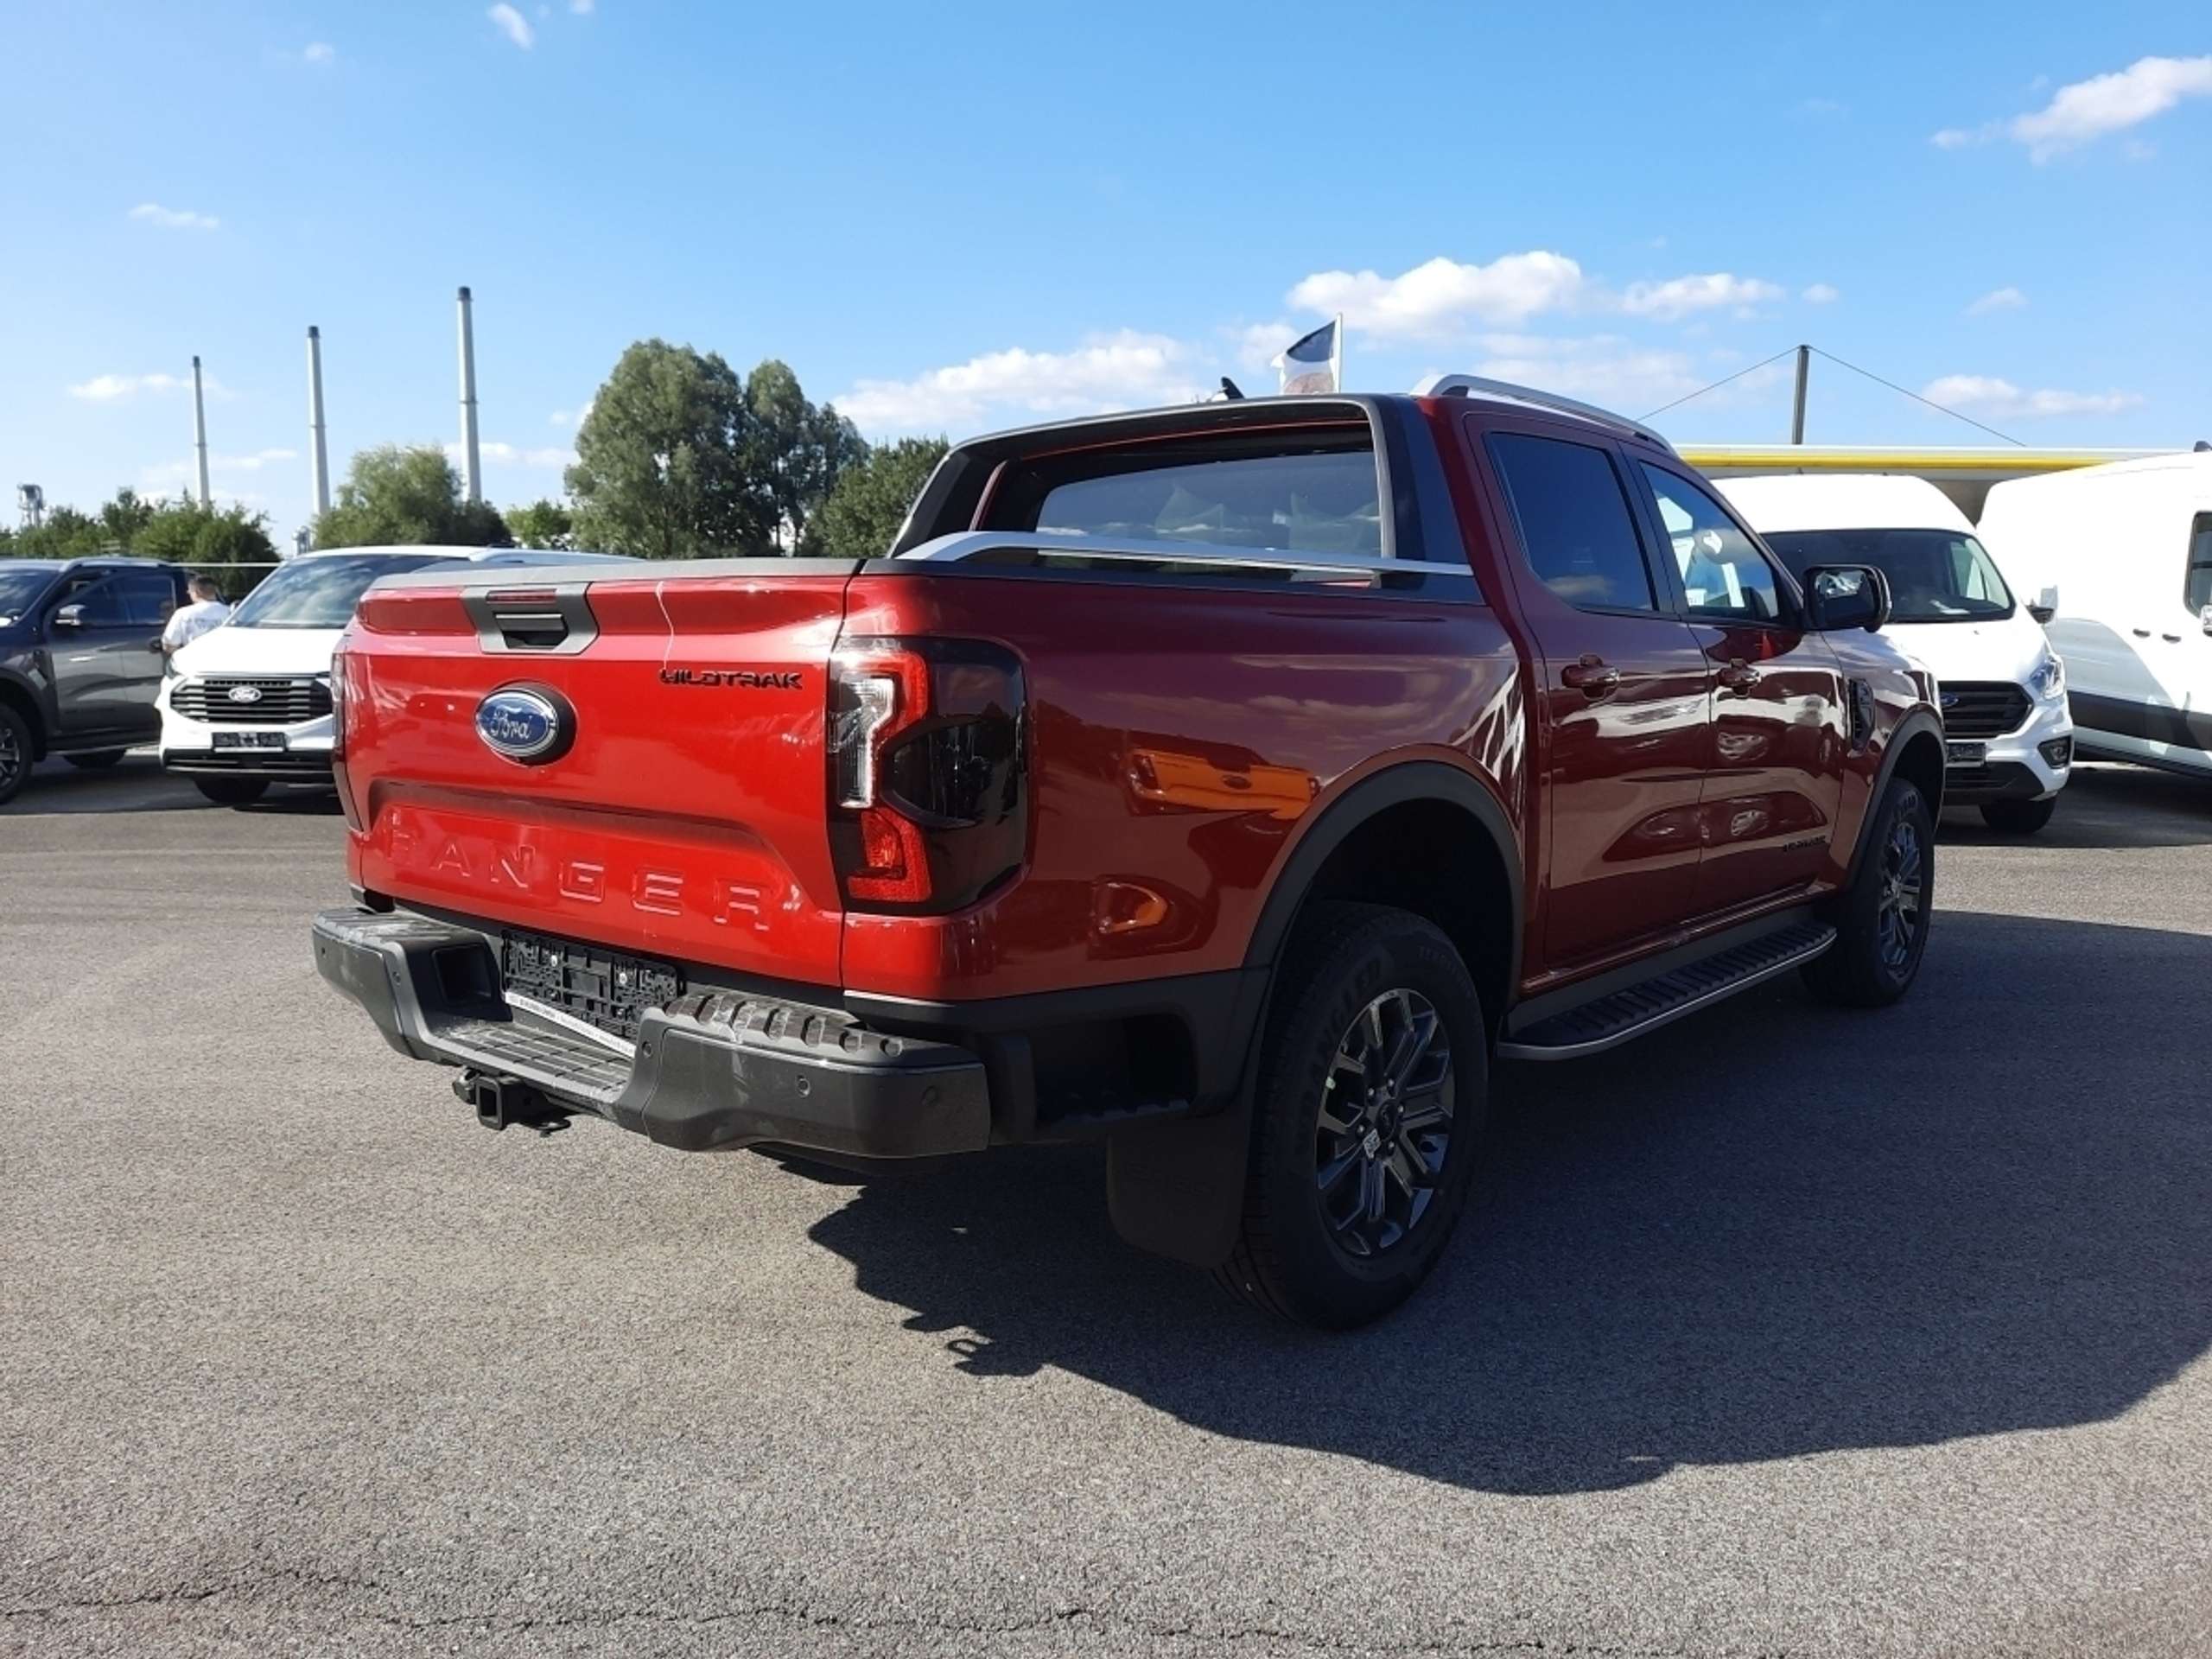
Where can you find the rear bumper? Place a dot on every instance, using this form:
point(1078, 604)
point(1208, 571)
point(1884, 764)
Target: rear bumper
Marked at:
point(716, 1072)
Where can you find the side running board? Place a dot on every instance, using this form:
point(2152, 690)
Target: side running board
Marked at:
point(1617, 1016)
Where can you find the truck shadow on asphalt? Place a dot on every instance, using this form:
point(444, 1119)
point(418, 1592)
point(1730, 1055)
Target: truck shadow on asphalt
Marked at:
point(1773, 1231)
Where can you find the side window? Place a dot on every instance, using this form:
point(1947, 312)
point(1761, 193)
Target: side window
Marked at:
point(148, 599)
point(1574, 521)
point(102, 603)
point(2200, 562)
point(1725, 576)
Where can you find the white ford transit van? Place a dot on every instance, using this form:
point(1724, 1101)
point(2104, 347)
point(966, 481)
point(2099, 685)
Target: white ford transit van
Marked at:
point(2008, 735)
point(2124, 555)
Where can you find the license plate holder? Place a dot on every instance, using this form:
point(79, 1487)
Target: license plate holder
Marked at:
point(608, 990)
point(265, 741)
point(1960, 752)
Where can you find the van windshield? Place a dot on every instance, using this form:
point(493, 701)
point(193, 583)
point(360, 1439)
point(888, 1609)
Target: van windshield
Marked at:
point(319, 592)
point(1935, 576)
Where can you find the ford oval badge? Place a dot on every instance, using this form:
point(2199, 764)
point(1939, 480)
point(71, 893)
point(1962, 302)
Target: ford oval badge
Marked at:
point(525, 724)
point(244, 694)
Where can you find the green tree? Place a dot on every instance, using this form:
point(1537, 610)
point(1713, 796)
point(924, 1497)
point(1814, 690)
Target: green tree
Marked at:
point(660, 468)
point(124, 515)
point(213, 541)
point(862, 514)
point(407, 496)
point(795, 451)
point(67, 534)
point(543, 524)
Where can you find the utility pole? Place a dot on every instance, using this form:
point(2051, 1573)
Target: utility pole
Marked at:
point(1797, 403)
point(200, 433)
point(319, 458)
point(471, 463)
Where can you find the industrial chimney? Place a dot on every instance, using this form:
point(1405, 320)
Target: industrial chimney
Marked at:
point(320, 457)
point(472, 462)
point(200, 432)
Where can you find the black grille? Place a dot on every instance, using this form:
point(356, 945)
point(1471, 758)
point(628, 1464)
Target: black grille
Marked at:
point(1983, 707)
point(276, 702)
point(612, 992)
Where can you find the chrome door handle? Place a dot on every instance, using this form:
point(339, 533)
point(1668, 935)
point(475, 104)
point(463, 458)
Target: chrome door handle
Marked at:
point(1739, 676)
point(2140, 633)
point(2171, 639)
point(1591, 676)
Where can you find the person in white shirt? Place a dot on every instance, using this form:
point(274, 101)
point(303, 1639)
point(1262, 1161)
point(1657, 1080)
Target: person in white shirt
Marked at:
point(206, 611)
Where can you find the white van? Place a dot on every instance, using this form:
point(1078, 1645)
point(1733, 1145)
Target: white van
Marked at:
point(2124, 555)
point(247, 704)
point(2007, 732)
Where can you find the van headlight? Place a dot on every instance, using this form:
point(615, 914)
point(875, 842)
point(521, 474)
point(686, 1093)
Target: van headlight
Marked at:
point(2048, 678)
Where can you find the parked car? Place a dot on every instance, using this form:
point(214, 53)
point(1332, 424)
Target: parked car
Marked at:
point(2009, 739)
point(79, 667)
point(2125, 552)
point(1229, 783)
point(247, 704)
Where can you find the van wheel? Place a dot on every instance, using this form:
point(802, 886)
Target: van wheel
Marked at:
point(2019, 818)
point(1882, 919)
point(14, 753)
point(231, 791)
point(98, 760)
point(1369, 1107)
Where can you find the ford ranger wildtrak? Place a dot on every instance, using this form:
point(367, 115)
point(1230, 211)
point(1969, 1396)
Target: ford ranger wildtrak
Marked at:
point(1230, 784)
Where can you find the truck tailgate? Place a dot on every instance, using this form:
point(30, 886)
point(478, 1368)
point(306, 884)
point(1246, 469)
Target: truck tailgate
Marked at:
point(679, 810)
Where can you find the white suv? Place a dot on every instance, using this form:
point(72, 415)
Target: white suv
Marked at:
point(247, 704)
point(2008, 736)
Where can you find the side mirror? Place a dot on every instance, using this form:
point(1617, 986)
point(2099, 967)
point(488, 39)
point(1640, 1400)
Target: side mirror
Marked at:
point(2044, 606)
point(1844, 596)
point(69, 616)
point(2205, 617)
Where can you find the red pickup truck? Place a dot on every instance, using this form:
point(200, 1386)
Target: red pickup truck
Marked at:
point(1231, 783)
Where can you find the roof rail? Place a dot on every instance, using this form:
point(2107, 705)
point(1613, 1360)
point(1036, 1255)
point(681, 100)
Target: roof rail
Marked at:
point(1474, 385)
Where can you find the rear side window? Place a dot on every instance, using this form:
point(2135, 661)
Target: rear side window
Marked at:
point(1574, 521)
point(1320, 496)
point(2200, 562)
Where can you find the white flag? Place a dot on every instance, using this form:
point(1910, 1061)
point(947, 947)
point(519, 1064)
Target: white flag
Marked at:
point(1314, 364)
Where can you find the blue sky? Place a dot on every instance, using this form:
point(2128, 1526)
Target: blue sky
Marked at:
point(949, 220)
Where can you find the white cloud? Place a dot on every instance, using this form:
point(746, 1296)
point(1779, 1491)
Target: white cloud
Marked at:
point(1671, 301)
point(1822, 294)
point(1959, 137)
point(1432, 300)
point(1998, 299)
point(1610, 370)
point(2087, 110)
point(1255, 344)
point(510, 454)
point(173, 218)
point(581, 7)
point(513, 25)
point(117, 388)
point(321, 52)
point(1987, 395)
point(183, 471)
point(1108, 371)
point(570, 416)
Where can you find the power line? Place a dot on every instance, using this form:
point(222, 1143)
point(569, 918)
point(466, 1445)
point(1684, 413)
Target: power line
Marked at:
point(1917, 398)
point(1717, 384)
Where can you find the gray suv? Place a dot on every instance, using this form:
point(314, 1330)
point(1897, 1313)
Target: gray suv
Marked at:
point(79, 666)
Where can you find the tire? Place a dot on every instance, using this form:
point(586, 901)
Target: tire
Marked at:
point(98, 760)
point(2019, 818)
point(231, 791)
point(1882, 919)
point(16, 751)
point(1310, 1246)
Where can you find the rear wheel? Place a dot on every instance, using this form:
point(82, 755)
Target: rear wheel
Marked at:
point(2019, 818)
point(1882, 919)
point(231, 791)
point(14, 753)
point(98, 760)
point(1371, 1101)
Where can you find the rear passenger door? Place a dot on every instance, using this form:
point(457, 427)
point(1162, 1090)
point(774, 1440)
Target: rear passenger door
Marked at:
point(1620, 687)
point(1774, 783)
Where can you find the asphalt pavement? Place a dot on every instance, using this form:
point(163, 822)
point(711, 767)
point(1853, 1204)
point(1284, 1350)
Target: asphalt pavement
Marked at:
point(1786, 1331)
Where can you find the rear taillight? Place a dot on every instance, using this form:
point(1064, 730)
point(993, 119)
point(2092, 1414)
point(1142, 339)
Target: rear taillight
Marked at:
point(929, 788)
point(340, 697)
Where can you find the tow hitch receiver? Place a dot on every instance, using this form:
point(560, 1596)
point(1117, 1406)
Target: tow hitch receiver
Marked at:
point(499, 1102)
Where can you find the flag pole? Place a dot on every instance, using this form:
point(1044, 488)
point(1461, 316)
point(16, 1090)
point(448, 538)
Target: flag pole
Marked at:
point(1336, 354)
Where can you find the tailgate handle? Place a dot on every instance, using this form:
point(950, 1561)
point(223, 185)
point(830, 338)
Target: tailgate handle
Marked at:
point(554, 620)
